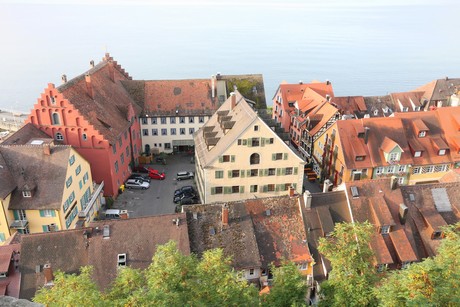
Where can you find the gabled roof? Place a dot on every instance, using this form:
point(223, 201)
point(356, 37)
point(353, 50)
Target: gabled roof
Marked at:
point(69, 250)
point(449, 121)
point(351, 105)
point(388, 145)
point(379, 106)
point(23, 135)
point(440, 89)
point(108, 108)
point(308, 91)
point(406, 99)
point(42, 173)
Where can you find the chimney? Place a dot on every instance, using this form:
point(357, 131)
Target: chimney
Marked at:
point(328, 82)
point(300, 82)
point(291, 191)
point(124, 214)
point(366, 134)
point(64, 79)
point(91, 64)
point(328, 97)
point(89, 87)
point(307, 199)
point(403, 210)
point(48, 273)
point(233, 96)
point(327, 183)
point(112, 71)
point(224, 215)
point(393, 182)
point(47, 149)
point(213, 86)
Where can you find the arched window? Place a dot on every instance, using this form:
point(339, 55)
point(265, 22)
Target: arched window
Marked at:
point(254, 159)
point(59, 136)
point(55, 119)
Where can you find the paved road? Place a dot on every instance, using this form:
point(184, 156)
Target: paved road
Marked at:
point(158, 199)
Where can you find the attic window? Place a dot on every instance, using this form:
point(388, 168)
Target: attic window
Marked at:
point(421, 134)
point(121, 259)
point(417, 154)
point(385, 229)
point(359, 158)
point(26, 193)
point(256, 128)
point(405, 109)
point(354, 192)
point(441, 152)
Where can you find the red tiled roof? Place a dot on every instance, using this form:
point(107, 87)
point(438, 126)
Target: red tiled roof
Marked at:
point(382, 254)
point(380, 212)
point(388, 145)
point(402, 246)
point(407, 99)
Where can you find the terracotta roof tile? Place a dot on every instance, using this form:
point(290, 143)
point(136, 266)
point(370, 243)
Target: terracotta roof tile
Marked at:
point(382, 254)
point(403, 246)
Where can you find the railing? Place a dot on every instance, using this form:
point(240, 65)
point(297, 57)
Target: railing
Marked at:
point(19, 224)
point(97, 191)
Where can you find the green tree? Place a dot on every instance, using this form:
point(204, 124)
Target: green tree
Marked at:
point(126, 288)
point(289, 287)
point(71, 290)
point(432, 282)
point(352, 278)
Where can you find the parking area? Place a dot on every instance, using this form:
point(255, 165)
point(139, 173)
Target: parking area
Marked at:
point(158, 199)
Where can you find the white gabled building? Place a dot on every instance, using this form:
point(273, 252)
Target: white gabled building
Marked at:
point(238, 156)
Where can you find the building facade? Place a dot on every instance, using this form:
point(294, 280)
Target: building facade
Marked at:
point(238, 156)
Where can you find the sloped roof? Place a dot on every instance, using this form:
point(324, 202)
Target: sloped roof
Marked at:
point(23, 135)
point(46, 174)
point(406, 99)
point(69, 250)
point(111, 104)
point(379, 106)
point(440, 89)
point(448, 119)
point(307, 91)
point(351, 105)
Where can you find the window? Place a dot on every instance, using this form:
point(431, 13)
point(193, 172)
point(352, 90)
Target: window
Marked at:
point(219, 174)
point(80, 184)
point(84, 136)
point(47, 213)
point(271, 171)
point(154, 132)
point(288, 171)
point(71, 217)
point(191, 119)
point(116, 166)
point(122, 158)
point(182, 131)
point(191, 130)
point(127, 151)
point(114, 148)
point(255, 142)
point(402, 168)
point(145, 132)
point(153, 120)
point(251, 271)
point(120, 142)
point(225, 158)
point(277, 156)
point(379, 170)
point(385, 229)
point(405, 109)
point(55, 119)
point(59, 136)
point(72, 160)
point(164, 131)
point(235, 173)
point(428, 169)
point(126, 135)
point(235, 189)
point(394, 156)
point(254, 188)
point(167, 145)
point(163, 120)
point(256, 128)
point(441, 168)
point(390, 169)
point(144, 121)
point(271, 188)
point(254, 172)
point(218, 190)
point(417, 154)
point(254, 159)
point(381, 267)
point(421, 134)
point(68, 181)
point(359, 158)
point(172, 120)
point(401, 180)
point(173, 131)
point(182, 119)
point(26, 194)
point(201, 119)
point(416, 170)
point(442, 152)
point(78, 170)
point(270, 141)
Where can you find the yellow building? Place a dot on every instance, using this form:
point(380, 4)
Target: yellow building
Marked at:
point(44, 187)
point(239, 156)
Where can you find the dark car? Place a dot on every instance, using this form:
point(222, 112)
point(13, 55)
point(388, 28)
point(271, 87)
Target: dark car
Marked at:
point(179, 197)
point(188, 201)
point(187, 188)
point(185, 175)
point(140, 177)
point(154, 174)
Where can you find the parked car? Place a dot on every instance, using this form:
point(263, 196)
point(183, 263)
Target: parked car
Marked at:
point(185, 175)
point(187, 188)
point(154, 174)
point(136, 184)
point(140, 177)
point(141, 169)
point(188, 201)
point(179, 197)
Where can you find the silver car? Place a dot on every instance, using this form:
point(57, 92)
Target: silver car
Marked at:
point(136, 184)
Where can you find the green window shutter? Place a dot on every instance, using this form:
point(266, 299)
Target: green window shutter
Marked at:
point(262, 142)
point(227, 190)
point(294, 185)
point(42, 213)
point(242, 173)
point(2, 237)
point(277, 187)
point(242, 189)
point(261, 172)
point(273, 157)
point(249, 142)
point(278, 171)
point(16, 214)
point(45, 228)
point(283, 171)
point(213, 191)
point(248, 172)
point(266, 172)
point(296, 170)
point(232, 158)
point(53, 213)
point(229, 174)
point(221, 159)
point(265, 188)
point(285, 156)
point(245, 142)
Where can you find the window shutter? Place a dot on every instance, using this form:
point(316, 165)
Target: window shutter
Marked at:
point(248, 172)
point(296, 170)
point(229, 174)
point(242, 189)
point(45, 228)
point(285, 156)
point(265, 188)
point(2, 237)
point(221, 159)
point(261, 172)
point(277, 187)
point(213, 191)
point(227, 190)
point(16, 214)
point(294, 185)
point(53, 213)
point(278, 171)
point(262, 142)
point(273, 157)
point(242, 173)
point(245, 142)
point(283, 171)
point(232, 158)
point(42, 213)
point(249, 142)
point(266, 172)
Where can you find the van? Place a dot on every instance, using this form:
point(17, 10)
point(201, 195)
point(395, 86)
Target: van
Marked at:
point(115, 214)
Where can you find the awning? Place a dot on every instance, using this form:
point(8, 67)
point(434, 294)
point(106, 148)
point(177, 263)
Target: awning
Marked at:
point(183, 143)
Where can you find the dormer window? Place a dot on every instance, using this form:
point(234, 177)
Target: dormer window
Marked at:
point(359, 158)
point(441, 152)
point(26, 193)
point(394, 156)
point(405, 109)
point(385, 229)
point(422, 134)
point(417, 154)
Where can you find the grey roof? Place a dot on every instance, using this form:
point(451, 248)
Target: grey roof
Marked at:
point(23, 135)
point(379, 104)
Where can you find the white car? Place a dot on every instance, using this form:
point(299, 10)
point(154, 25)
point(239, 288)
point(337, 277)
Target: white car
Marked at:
point(136, 184)
point(185, 175)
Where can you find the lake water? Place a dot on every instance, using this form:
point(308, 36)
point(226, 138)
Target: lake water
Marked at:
point(362, 47)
